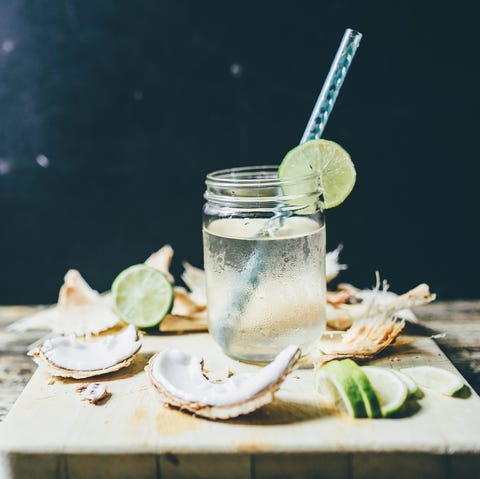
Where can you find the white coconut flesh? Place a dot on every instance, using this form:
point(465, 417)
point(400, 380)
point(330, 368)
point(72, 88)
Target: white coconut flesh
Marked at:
point(93, 392)
point(181, 375)
point(67, 352)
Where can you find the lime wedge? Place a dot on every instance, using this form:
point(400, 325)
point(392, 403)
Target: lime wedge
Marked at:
point(434, 378)
point(329, 160)
point(407, 380)
point(370, 400)
point(142, 296)
point(334, 381)
point(390, 390)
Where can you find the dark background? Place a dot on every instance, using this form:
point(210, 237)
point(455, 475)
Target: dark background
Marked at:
point(111, 114)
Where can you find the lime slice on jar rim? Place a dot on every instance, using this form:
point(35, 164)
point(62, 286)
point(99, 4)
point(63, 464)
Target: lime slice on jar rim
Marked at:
point(142, 296)
point(329, 160)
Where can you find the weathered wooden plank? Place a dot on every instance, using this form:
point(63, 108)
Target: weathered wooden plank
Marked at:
point(302, 434)
point(133, 421)
point(29, 466)
point(11, 313)
point(460, 322)
point(15, 367)
point(464, 466)
point(302, 466)
point(15, 371)
point(204, 466)
point(118, 466)
point(399, 466)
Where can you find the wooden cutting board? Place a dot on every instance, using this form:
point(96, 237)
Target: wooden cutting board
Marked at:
point(50, 433)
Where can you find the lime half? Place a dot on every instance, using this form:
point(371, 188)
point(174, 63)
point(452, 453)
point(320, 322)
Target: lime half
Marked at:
point(434, 378)
point(335, 382)
point(391, 391)
point(142, 296)
point(329, 160)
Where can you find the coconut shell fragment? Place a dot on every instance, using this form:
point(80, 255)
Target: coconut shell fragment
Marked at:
point(174, 323)
point(348, 304)
point(70, 357)
point(372, 332)
point(80, 310)
point(180, 380)
point(161, 260)
point(93, 392)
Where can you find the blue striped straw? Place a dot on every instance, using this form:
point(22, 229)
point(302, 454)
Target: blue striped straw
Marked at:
point(334, 81)
point(315, 126)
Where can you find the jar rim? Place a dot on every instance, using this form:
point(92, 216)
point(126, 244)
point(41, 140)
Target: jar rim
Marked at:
point(251, 176)
point(259, 187)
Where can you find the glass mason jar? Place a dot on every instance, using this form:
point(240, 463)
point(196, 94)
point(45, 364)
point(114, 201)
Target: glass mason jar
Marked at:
point(264, 254)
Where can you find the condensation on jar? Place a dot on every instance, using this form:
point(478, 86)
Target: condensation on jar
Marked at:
point(264, 254)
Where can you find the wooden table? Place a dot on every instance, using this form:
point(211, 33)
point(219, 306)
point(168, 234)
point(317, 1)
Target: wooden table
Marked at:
point(458, 320)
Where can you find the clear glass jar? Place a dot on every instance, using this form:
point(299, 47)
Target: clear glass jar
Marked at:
point(264, 254)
